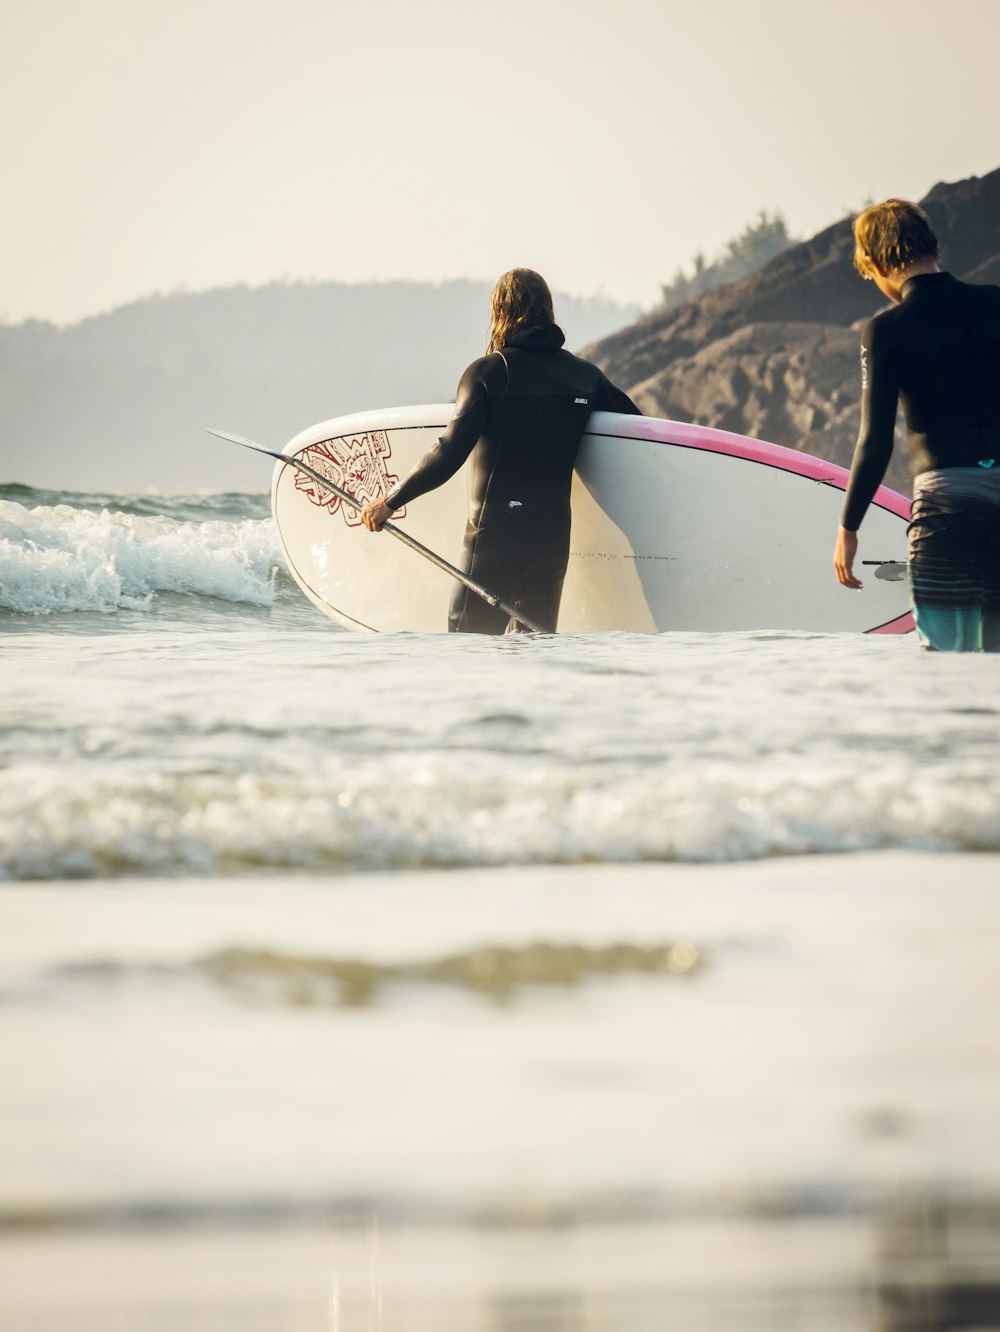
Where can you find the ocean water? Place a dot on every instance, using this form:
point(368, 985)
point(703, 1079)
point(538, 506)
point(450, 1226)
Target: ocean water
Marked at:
point(412, 981)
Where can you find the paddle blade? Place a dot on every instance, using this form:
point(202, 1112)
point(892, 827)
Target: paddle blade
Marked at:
point(891, 571)
point(235, 439)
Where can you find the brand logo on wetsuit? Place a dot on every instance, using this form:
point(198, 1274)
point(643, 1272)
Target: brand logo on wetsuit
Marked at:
point(356, 463)
point(864, 366)
point(585, 401)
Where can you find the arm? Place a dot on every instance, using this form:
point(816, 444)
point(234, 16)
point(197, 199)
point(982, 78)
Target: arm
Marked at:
point(440, 463)
point(879, 398)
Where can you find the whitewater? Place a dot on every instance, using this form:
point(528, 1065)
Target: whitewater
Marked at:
point(476, 944)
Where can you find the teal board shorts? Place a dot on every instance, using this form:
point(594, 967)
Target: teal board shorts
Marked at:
point(954, 556)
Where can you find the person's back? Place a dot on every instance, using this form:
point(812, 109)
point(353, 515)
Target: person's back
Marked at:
point(520, 412)
point(944, 338)
point(538, 400)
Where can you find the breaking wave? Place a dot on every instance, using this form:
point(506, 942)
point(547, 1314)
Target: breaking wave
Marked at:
point(63, 553)
point(447, 812)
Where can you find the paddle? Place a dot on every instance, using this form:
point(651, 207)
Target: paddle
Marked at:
point(489, 597)
point(890, 571)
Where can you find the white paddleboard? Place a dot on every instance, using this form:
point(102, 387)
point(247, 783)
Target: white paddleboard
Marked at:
point(675, 526)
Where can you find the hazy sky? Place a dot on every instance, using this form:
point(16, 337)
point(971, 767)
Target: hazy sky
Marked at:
point(155, 144)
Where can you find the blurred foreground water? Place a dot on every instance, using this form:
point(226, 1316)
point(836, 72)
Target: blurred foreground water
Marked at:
point(413, 982)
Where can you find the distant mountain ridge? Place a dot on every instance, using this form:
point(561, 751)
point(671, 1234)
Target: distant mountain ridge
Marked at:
point(775, 355)
point(118, 402)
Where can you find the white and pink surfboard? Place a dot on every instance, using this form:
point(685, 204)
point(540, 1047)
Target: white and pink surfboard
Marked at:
point(675, 527)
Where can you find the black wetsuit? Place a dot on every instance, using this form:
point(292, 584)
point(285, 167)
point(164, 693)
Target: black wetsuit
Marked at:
point(520, 413)
point(938, 351)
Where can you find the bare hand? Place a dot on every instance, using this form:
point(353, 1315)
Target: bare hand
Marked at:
point(376, 514)
point(844, 553)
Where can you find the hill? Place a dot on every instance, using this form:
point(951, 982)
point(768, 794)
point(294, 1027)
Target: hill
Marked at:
point(775, 355)
point(118, 402)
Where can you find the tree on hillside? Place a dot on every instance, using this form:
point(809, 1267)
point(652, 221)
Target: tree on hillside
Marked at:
point(757, 242)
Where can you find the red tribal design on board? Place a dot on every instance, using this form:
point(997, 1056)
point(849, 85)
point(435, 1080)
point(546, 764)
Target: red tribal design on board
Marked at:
point(356, 463)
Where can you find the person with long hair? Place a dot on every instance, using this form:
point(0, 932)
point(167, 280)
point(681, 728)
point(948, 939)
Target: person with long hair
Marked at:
point(937, 350)
point(520, 414)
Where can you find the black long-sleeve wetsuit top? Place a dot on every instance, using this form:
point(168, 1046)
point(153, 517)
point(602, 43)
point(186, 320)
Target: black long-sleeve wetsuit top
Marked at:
point(520, 413)
point(938, 351)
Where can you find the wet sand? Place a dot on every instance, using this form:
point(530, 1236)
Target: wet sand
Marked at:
point(795, 1130)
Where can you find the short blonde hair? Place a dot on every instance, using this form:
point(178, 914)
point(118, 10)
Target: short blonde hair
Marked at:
point(892, 235)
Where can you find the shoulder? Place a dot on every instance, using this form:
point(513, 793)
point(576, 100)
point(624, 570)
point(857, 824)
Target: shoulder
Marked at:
point(477, 368)
point(881, 331)
point(489, 371)
point(985, 288)
point(582, 365)
point(982, 293)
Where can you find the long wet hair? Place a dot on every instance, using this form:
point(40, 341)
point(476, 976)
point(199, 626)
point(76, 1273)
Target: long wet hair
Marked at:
point(521, 300)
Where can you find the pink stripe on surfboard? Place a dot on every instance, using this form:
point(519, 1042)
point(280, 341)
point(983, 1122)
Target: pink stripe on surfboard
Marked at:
point(903, 625)
point(759, 451)
point(789, 460)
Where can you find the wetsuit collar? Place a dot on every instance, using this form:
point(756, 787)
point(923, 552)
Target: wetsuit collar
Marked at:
point(922, 280)
point(543, 337)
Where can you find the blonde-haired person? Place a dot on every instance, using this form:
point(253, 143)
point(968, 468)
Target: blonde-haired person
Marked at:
point(937, 349)
point(520, 413)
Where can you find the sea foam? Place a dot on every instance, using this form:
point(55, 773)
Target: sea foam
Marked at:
point(435, 811)
point(63, 558)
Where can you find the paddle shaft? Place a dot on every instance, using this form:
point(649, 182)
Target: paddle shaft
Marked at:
point(489, 597)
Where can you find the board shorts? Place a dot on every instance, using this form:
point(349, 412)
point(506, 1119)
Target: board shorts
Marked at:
point(954, 539)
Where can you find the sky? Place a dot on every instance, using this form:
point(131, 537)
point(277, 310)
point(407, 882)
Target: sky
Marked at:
point(187, 144)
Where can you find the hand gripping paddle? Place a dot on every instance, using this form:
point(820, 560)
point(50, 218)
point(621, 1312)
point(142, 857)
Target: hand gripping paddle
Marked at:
point(489, 597)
